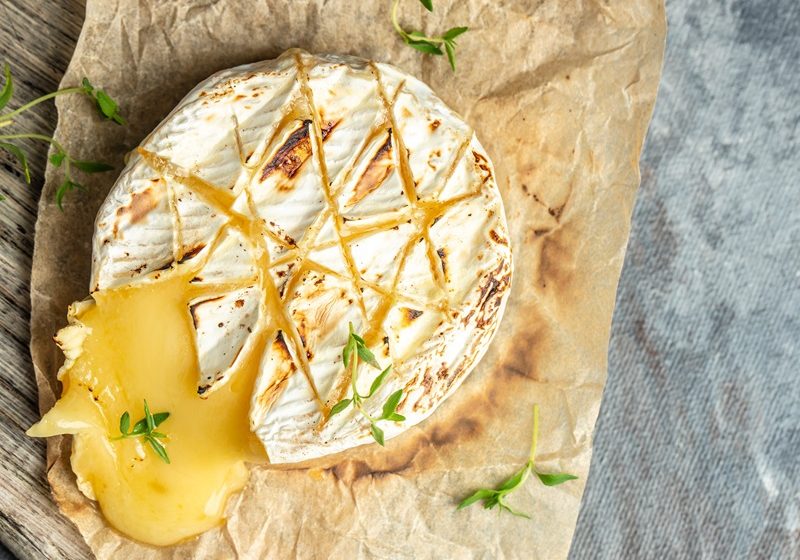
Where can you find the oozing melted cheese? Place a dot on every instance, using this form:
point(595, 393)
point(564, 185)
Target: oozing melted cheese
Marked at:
point(140, 346)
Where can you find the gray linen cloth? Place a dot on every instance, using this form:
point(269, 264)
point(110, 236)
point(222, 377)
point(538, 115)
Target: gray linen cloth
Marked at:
point(697, 447)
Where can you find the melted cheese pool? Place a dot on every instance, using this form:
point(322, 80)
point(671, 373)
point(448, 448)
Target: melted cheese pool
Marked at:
point(140, 346)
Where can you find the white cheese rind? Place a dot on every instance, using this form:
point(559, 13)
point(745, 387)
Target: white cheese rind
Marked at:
point(340, 167)
point(135, 228)
point(223, 325)
point(232, 260)
point(225, 121)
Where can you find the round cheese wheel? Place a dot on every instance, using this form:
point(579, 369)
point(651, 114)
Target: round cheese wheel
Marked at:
point(310, 194)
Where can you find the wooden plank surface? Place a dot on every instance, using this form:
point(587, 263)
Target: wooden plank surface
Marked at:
point(37, 38)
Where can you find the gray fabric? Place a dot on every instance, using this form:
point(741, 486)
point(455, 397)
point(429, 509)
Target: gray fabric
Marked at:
point(698, 442)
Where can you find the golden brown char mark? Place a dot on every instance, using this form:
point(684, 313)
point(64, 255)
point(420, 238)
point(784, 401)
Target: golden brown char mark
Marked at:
point(376, 173)
point(295, 151)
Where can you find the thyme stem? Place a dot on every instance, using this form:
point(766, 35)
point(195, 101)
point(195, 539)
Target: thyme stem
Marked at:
point(8, 116)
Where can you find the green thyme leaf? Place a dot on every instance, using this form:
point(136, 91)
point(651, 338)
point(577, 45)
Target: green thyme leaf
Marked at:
point(357, 338)
point(159, 417)
point(428, 4)
point(481, 494)
point(454, 32)
point(158, 447)
point(424, 46)
point(377, 433)
point(391, 403)
point(493, 500)
point(340, 406)
point(378, 381)
point(63, 189)
point(108, 107)
point(105, 104)
point(366, 355)
point(124, 423)
point(57, 158)
point(8, 87)
point(513, 511)
point(17, 152)
point(394, 417)
point(450, 49)
point(554, 479)
point(140, 427)
point(88, 88)
point(91, 166)
point(151, 423)
point(416, 36)
point(516, 479)
point(349, 348)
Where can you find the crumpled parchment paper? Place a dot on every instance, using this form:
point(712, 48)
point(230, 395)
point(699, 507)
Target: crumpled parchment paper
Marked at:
point(560, 93)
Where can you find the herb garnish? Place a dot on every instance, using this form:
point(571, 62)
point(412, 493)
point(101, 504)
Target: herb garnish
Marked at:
point(145, 428)
point(105, 105)
point(429, 45)
point(354, 350)
point(496, 497)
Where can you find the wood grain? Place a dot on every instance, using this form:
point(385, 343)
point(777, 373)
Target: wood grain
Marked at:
point(37, 38)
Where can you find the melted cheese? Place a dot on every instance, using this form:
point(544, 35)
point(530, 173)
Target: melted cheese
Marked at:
point(140, 346)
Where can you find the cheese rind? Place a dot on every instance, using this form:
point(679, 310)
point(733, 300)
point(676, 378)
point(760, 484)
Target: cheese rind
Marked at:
point(363, 197)
point(297, 196)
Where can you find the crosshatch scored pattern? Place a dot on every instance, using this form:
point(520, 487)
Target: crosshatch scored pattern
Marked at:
point(218, 213)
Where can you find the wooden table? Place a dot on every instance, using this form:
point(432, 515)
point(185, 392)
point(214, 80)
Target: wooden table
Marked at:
point(37, 38)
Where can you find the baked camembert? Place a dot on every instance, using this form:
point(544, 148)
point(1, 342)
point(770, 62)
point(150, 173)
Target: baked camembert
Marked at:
point(279, 203)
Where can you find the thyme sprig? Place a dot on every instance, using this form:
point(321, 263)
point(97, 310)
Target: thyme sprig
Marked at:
point(356, 350)
point(437, 45)
point(60, 157)
point(495, 497)
point(146, 429)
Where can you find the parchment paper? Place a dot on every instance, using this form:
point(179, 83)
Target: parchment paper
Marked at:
point(560, 94)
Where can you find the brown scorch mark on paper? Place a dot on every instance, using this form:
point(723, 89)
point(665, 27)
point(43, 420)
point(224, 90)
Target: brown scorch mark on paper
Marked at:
point(410, 454)
point(557, 262)
point(527, 364)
